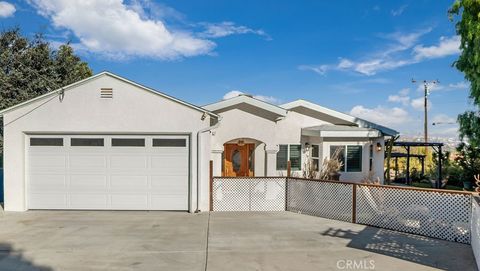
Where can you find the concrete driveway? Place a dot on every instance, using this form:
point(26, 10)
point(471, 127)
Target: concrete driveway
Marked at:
point(104, 240)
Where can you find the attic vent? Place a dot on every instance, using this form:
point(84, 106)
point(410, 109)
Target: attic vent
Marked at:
point(106, 93)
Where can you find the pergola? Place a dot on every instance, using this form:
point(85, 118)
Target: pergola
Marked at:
point(437, 147)
point(396, 155)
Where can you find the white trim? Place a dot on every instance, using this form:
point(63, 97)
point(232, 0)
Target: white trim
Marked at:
point(354, 120)
point(248, 100)
point(318, 108)
point(345, 155)
point(48, 94)
point(348, 134)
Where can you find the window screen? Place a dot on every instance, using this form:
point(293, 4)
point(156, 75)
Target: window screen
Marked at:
point(87, 142)
point(39, 141)
point(354, 158)
point(282, 155)
point(128, 142)
point(169, 142)
point(339, 152)
point(296, 157)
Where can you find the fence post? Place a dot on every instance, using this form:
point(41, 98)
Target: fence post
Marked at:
point(354, 203)
point(211, 184)
point(289, 169)
point(286, 194)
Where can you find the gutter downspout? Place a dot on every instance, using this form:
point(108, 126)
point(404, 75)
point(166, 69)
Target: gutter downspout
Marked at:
point(206, 129)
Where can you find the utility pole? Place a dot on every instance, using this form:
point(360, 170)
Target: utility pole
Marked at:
point(426, 85)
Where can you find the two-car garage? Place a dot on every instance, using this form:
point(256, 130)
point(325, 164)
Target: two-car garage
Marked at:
point(106, 143)
point(107, 172)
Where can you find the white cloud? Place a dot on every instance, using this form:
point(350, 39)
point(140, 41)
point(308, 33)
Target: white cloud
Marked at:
point(388, 58)
point(460, 85)
point(404, 91)
point(399, 99)
point(402, 97)
point(381, 115)
point(235, 93)
point(446, 46)
point(444, 126)
point(443, 119)
point(116, 30)
point(224, 29)
point(398, 11)
point(6, 9)
point(320, 69)
point(419, 104)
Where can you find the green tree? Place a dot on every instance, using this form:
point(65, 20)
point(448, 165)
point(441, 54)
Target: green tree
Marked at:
point(468, 28)
point(30, 67)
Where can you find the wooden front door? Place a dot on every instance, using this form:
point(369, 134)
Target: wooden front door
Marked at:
point(238, 160)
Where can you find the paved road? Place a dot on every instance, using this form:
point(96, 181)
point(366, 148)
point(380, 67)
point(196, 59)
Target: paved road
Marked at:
point(104, 240)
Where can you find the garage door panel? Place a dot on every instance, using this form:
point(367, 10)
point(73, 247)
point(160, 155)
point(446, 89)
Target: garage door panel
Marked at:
point(47, 182)
point(164, 185)
point(125, 162)
point(169, 163)
point(129, 201)
point(42, 161)
point(129, 183)
point(169, 202)
point(48, 200)
point(146, 177)
point(88, 183)
point(88, 201)
point(87, 161)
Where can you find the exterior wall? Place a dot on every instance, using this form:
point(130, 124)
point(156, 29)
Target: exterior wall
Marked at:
point(378, 158)
point(131, 111)
point(237, 124)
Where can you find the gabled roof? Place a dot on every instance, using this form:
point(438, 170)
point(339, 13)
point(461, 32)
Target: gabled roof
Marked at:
point(339, 115)
point(249, 100)
point(106, 73)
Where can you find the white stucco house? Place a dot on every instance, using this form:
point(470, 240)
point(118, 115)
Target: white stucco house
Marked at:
point(109, 143)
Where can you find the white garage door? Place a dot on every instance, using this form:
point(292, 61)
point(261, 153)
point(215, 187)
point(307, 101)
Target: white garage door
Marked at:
point(108, 172)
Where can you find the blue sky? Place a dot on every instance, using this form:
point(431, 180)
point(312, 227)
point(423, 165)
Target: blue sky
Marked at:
point(357, 57)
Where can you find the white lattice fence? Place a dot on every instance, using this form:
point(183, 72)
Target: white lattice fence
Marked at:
point(248, 194)
point(324, 199)
point(443, 215)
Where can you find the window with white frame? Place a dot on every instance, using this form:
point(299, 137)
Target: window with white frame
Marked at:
point(349, 155)
point(292, 153)
point(315, 156)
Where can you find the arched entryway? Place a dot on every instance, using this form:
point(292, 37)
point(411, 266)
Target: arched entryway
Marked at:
point(239, 157)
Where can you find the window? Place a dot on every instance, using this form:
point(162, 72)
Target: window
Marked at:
point(169, 142)
point(315, 157)
point(43, 141)
point(128, 142)
point(354, 158)
point(350, 156)
point(295, 157)
point(87, 142)
point(282, 157)
point(292, 153)
point(339, 153)
point(370, 159)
